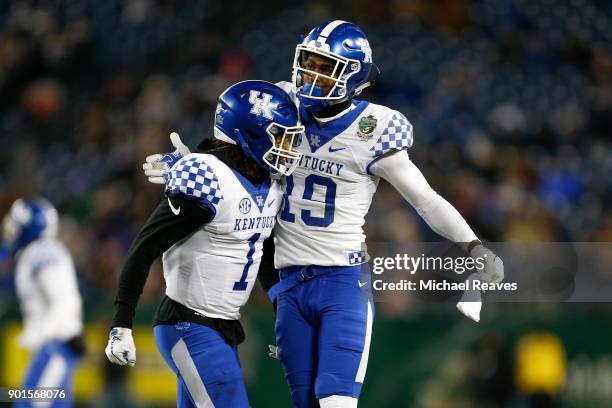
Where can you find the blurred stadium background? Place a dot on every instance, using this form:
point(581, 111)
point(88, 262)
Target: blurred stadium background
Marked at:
point(511, 101)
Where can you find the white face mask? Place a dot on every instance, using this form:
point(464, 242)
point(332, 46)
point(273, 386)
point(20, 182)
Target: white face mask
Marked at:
point(343, 69)
point(13, 222)
point(281, 157)
point(10, 230)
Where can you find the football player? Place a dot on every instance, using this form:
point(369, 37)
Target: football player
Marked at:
point(48, 292)
point(324, 317)
point(220, 206)
point(324, 311)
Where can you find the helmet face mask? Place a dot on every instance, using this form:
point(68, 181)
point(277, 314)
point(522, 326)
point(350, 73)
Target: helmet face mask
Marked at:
point(332, 64)
point(281, 157)
point(10, 231)
point(344, 69)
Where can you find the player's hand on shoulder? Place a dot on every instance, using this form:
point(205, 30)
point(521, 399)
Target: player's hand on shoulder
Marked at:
point(493, 270)
point(156, 166)
point(120, 348)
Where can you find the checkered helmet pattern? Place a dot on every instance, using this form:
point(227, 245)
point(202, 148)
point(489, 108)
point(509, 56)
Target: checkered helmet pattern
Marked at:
point(396, 136)
point(193, 177)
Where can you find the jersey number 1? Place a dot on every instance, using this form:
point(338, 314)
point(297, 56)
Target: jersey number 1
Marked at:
point(241, 285)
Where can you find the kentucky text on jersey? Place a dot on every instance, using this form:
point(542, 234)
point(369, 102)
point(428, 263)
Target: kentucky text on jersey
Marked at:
point(328, 195)
point(322, 165)
point(254, 222)
point(214, 271)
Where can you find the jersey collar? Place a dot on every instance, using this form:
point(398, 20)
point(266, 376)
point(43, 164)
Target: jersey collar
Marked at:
point(319, 132)
point(255, 190)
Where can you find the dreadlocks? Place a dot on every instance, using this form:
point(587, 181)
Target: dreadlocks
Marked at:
point(233, 156)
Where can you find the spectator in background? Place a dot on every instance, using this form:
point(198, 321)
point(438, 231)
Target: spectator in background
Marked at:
point(500, 93)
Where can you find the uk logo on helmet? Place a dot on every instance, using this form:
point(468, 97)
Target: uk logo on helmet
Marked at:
point(261, 106)
point(365, 48)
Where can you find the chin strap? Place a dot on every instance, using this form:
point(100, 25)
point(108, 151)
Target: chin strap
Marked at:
point(312, 105)
point(326, 111)
point(361, 87)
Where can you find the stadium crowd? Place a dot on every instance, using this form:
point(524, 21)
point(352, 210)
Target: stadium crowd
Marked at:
point(511, 106)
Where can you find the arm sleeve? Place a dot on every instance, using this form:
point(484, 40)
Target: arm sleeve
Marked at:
point(438, 213)
point(268, 275)
point(161, 231)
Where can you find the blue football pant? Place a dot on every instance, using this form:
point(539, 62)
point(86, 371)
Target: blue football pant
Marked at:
point(52, 366)
point(206, 366)
point(323, 331)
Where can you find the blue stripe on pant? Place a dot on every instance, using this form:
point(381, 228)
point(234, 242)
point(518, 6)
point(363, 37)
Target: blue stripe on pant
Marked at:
point(323, 329)
point(207, 367)
point(52, 366)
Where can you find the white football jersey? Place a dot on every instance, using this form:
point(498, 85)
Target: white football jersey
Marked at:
point(213, 271)
point(329, 193)
point(48, 292)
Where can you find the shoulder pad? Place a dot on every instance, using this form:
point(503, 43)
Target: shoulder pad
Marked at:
point(285, 86)
point(397, 135)
point(194, 178)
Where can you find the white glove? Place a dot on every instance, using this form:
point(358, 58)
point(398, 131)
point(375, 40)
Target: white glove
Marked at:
point(493, 271)
point(470, 303)
point(273, 351)
point(120, 348)
point(156, 166)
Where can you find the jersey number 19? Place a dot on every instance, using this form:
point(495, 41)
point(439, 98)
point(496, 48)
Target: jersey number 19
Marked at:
point(330, 201)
